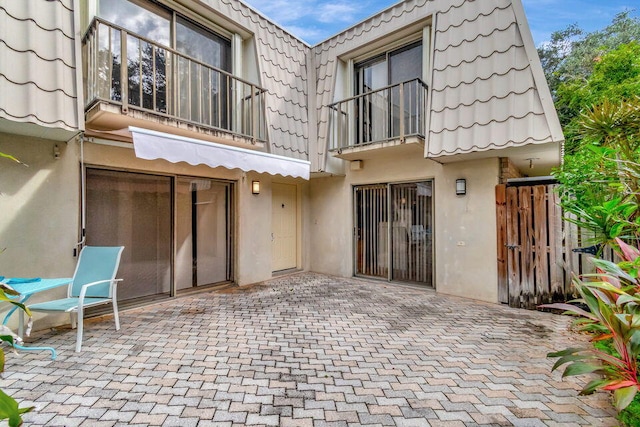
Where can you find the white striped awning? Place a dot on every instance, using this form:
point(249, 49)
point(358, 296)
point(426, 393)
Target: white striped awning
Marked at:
point(151, 145)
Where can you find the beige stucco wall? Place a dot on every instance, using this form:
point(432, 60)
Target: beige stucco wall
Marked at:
point(465, 229)
point(40, 211)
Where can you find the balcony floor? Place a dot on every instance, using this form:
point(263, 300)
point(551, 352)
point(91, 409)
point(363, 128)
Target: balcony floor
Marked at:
point(104, 116)
point(411, 146)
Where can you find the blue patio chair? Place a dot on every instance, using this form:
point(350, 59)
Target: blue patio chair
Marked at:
point(94, 283)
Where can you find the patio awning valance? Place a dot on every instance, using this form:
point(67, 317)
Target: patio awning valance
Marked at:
point(151, 145)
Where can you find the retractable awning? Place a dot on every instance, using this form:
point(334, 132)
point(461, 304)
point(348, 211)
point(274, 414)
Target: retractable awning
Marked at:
point(151, 145)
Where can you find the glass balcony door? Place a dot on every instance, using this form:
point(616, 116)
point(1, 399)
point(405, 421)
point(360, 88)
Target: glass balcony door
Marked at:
point(371, 115)
point(405, 65)
point(378, 111)
point(193, 85)
point(203, 92)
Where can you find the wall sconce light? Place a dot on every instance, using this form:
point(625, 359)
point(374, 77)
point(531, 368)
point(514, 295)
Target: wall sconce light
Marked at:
point(461, 187)
point(255, 187)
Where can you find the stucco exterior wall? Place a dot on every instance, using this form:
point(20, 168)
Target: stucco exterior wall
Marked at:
point(331, 241)
point(40, 211)
point(465, 230)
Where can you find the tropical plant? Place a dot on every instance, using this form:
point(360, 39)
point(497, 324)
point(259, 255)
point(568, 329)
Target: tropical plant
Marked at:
point(600, 188)
point(612, 296)
point(599, 185)
point(9, 408)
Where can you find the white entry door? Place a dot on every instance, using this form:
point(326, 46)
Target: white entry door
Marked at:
point(284, 227)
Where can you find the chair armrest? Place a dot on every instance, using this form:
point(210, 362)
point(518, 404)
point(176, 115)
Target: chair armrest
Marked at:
point(83, 290)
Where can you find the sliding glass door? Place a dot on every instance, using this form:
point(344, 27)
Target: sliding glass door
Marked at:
point(133, 210)
point(174, 229)
point(203, 230)
point(393, 231)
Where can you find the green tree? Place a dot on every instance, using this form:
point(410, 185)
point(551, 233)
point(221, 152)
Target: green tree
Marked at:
point(615, 76)
point(571, 53)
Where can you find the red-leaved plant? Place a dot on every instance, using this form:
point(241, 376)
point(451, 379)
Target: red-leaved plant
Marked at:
point(612, 296)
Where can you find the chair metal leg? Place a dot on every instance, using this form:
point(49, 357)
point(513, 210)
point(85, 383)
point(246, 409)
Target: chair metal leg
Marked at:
point(115, 314)
point(23, 348)
point(80, 325)
point(20, 334)
point(73, 319)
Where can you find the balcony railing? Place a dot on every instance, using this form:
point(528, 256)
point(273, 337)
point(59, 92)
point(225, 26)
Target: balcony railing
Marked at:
point(126, 69)
point(391, 113)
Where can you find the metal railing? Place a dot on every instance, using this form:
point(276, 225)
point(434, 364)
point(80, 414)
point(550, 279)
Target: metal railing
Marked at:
point(392, 112)
point(126, 69)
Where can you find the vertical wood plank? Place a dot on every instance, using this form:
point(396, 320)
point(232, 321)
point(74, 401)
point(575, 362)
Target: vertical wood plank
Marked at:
point(526, 247)
point(571, 258)
point(541, 260)
point(501, 227)
point(513, 251)
point(555, 245)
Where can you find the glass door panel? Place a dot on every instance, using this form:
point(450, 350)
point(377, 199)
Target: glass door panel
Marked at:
point(372, 108)
point(411, 234)
point(133, 210)
point(379, 113)
point(371, 230)
point(208, 88)
point(405, 65)
point(140, 17)
point(393, 228)
point(202, 232)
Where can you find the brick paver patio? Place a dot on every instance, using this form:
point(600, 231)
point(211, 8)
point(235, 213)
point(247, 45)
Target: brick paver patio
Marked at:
point(308, 350)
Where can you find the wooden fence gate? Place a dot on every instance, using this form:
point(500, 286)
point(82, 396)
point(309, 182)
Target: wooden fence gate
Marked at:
point(531, 246)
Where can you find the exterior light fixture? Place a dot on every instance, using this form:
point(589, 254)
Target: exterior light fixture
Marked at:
point(255, 187)
point(461, 187)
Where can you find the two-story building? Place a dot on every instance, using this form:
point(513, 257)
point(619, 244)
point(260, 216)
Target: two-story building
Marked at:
point(219, 148)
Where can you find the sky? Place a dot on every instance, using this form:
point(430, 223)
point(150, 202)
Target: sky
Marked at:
point(316, 20)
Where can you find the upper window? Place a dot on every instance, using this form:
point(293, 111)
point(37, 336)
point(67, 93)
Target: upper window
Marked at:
point(390, 68)
point(389, 101)
point(146, 19)
point(203, 45)
point(154, 22)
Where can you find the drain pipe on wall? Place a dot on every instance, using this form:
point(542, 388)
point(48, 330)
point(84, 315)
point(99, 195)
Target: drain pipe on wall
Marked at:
point(83, 200)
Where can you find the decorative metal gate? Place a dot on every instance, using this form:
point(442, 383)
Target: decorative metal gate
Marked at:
point(393, 226)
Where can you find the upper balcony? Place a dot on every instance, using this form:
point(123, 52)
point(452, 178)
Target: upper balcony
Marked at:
point(373, 123)
point(131, 80)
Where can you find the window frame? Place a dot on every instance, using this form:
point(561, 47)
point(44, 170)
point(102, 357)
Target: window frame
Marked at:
point(174, 11)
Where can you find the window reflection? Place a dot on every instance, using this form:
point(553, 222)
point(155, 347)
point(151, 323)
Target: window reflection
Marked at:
point(157, 79)
point(378, 112)
point(145, 19)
